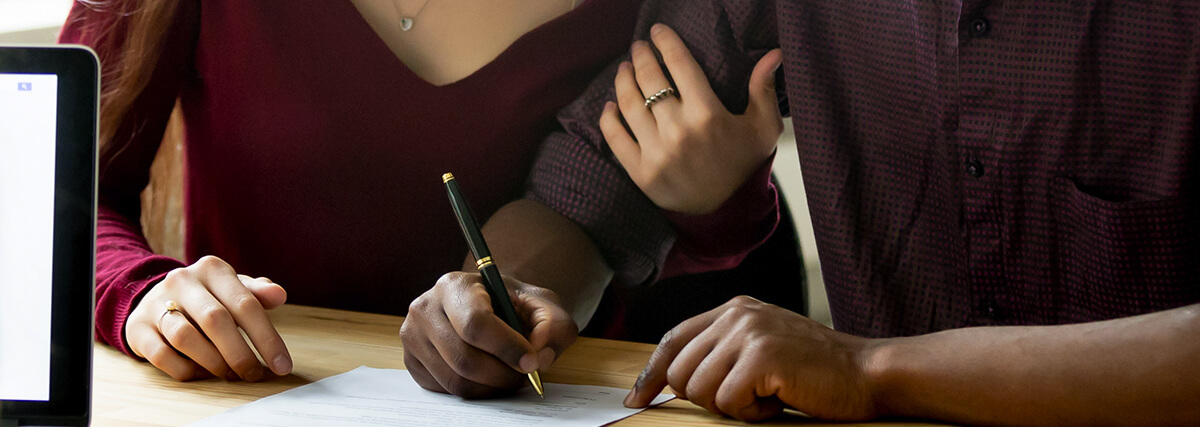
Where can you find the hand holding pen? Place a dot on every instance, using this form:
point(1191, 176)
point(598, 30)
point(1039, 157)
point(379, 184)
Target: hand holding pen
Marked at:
point(456, 342)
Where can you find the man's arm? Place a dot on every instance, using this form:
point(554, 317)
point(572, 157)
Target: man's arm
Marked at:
point(1141, 370)
point(757, 358)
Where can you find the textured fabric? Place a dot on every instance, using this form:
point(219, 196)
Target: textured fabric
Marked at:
point(966, 163)
point(576, 174)
point(315, 156)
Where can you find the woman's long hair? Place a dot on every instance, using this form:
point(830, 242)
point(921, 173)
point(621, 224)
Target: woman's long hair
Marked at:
point(128, 62)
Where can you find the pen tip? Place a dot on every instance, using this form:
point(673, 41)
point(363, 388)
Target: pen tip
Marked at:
point(536, 380)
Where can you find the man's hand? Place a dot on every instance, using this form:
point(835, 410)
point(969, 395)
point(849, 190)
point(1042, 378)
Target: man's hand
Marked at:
point(454, 343)
point(748, 360)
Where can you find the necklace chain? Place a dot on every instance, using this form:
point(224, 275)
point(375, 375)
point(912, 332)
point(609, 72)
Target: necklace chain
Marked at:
point(407, 21)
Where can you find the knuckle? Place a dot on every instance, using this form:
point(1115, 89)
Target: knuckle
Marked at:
point(702, 397)
point(178, 335)
point(176, 277)
point(419, 305)
point(677, 380)
point(243, 364)
point(452, 279)
point(674, 132)
point(179, 375)
point(670, 339)
point(157, 354)
point(245, 303)
point(743, 301)
point(739, 312)
point(457, 386)
point(210, 262)
point(462, 364)
point(544, 293)
point(473, 329)
point(212, 316)
point(705, 119)
point(405, 332)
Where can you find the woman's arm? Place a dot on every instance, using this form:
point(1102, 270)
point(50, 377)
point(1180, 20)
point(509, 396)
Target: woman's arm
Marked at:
point(125, 264)
point(146, 50)
point(577, 175)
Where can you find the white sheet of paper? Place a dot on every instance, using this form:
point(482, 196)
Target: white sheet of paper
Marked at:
point(380, 397)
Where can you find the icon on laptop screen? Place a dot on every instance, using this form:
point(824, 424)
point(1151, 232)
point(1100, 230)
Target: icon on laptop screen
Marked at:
point(24, 87)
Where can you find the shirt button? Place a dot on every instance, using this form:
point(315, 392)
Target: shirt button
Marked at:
point(974, 168)
point(978, 27)
point(992, 310)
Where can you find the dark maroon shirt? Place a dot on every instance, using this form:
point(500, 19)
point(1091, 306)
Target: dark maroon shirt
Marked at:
point(966, 163)
point(315, 156)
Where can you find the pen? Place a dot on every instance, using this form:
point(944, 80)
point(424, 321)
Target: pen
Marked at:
point(501, 304)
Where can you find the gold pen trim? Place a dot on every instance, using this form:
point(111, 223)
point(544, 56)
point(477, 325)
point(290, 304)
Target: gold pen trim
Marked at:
point(447, 177)
point(536, 380)
point(483, 262)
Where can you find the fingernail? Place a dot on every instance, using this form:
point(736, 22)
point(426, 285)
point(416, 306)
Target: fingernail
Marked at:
point(528, 363)
point(545, 358)
point(609, 105)
point(657, 28)
point(625, 65)
point(282, 364)
point(629, 397)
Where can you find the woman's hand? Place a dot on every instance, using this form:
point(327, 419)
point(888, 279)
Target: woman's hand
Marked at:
point(688, 154)
point(454, 343)
point(749, 360)
point(202, 337)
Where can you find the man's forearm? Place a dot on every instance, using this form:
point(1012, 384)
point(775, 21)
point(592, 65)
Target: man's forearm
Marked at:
point(1142, 370)
point(538, 246)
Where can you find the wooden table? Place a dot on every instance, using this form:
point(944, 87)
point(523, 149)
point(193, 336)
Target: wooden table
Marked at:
point(325, 342)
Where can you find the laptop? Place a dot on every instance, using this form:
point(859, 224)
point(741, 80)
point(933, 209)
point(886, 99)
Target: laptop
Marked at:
point(48, 114)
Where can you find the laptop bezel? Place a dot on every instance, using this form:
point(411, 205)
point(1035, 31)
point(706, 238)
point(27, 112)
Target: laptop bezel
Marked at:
point(77, 68)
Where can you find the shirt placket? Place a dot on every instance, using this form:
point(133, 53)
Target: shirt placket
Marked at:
point(978, 161)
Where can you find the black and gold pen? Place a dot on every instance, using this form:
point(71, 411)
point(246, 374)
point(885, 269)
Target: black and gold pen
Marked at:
point(501, 304)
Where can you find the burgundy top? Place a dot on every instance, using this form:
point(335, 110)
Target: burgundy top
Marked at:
point(966, 163)
point(315, 156)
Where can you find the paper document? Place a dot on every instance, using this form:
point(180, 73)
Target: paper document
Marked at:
point(385, 397)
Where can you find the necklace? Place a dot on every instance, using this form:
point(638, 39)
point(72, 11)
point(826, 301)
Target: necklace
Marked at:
point(406, 21)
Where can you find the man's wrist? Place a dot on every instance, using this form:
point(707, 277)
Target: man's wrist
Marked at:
point(881, 363)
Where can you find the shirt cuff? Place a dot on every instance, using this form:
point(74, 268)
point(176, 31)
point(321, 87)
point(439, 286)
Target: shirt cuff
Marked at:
point(132, 292)
point(722, 238)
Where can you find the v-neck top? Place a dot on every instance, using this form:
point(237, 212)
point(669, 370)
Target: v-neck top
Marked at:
point(315, 156)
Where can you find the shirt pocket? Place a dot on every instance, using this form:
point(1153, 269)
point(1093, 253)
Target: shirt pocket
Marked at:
point(1122, 258)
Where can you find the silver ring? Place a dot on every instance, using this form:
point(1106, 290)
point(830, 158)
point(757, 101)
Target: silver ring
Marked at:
point(661, 95)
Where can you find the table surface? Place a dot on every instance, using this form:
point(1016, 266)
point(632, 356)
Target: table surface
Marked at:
point(325, 342)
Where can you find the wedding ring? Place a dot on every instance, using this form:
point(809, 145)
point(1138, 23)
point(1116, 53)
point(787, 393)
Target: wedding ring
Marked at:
point(661, 95)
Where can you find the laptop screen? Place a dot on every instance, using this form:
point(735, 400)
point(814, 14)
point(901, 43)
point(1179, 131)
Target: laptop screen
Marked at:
point(28, 115)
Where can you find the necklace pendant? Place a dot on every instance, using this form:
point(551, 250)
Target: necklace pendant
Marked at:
point(406, 23)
